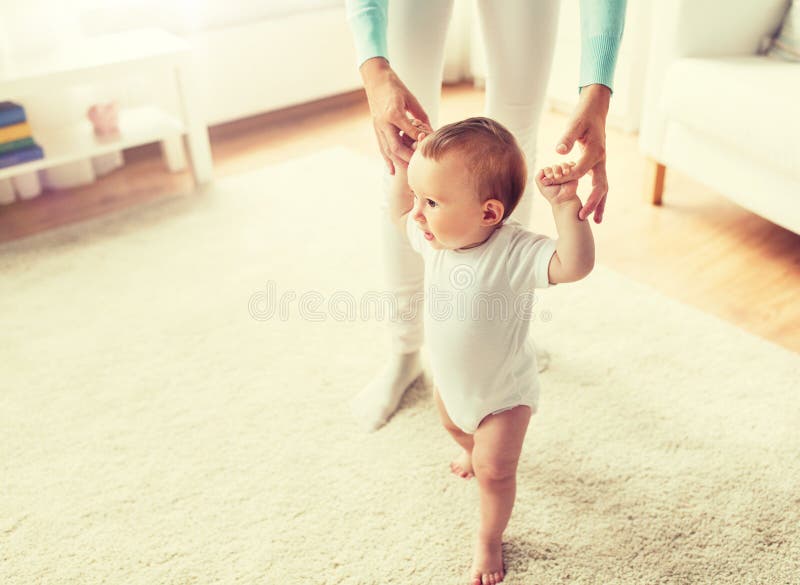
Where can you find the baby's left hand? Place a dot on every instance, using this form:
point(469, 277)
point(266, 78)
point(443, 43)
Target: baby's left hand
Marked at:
point(561, 193)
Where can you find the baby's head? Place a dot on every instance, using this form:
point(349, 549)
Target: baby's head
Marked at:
point(467, 178)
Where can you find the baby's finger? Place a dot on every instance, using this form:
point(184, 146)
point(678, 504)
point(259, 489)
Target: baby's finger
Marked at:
point(420, 138)
point(557, 171)
point(421, 126)
point(566, 168)
point(542, 178)
point(548, 172)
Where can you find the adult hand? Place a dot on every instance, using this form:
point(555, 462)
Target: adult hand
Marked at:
point(390, 102)
point(424, 130)
point(588, 128)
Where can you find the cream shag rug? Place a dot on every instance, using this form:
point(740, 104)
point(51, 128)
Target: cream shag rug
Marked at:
point(153, 431)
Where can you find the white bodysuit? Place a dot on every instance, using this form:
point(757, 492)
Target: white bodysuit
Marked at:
point(478, 309)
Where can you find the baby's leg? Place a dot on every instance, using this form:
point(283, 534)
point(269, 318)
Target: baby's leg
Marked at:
point(498, 444)
point(461, 465)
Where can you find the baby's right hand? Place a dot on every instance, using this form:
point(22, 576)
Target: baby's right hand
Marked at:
point(423, 132)
point(560, 193)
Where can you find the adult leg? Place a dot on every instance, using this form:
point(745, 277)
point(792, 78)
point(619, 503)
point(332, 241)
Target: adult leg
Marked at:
point(416, 39)
point(519, 36)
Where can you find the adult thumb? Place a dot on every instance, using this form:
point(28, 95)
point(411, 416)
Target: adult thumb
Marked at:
point(568, 140)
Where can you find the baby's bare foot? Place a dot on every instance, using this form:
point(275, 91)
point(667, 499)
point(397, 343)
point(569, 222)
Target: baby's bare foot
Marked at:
point(462, 465)
point(487, 566)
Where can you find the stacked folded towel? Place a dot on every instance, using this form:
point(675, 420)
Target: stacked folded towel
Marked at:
point(16, 143)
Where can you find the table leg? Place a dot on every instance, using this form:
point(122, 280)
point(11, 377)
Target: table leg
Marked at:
point(173, 153)
point(196, 130)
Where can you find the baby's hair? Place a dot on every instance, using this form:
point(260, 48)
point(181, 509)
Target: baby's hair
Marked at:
point(490, 153)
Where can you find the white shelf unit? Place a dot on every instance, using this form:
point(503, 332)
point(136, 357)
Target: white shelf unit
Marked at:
point(61, 145)
point(115, 55)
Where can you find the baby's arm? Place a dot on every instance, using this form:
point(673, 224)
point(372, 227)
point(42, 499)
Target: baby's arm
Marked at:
point(401, 199)
point(574, 256)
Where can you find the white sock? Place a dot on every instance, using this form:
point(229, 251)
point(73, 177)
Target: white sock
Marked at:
point(373, 406)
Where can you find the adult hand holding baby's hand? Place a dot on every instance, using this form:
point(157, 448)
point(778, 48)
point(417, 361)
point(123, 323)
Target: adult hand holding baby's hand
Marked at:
point(558, 193)
point(424, 130)
point(390, 102)
point(588, 128)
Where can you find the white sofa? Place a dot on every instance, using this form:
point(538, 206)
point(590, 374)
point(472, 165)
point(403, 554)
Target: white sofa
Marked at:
point(720, 113)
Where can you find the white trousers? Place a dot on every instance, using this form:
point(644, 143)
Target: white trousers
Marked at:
point(519, 36)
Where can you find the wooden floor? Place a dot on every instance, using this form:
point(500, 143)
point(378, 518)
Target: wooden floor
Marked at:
point(698, 248)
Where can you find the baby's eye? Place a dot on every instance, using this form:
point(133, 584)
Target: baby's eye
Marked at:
point(431, 203)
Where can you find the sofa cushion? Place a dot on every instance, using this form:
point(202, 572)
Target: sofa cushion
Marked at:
point(748, 103)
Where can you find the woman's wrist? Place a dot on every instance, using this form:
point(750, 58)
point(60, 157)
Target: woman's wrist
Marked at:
point(373, 69)
point(597, 94)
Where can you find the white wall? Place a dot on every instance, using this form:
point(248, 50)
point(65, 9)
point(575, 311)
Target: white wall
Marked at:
point(252, 56)
point(248, 56)
point(270, 64)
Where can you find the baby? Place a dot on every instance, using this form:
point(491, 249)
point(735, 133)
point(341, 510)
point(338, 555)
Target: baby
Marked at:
point(453, 203)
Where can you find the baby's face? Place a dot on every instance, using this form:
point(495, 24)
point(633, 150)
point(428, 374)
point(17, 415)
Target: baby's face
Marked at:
point(446, 206)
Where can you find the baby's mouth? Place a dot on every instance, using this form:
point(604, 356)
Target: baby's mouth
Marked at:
point(428, 235)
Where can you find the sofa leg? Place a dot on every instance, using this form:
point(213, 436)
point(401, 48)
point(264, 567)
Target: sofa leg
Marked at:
point(655, 180)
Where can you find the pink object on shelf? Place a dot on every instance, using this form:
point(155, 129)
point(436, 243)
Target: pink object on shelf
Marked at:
point(104, 118)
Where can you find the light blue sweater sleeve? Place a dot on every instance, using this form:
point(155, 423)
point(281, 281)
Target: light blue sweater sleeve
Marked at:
point(368, 20)
point(602, 22)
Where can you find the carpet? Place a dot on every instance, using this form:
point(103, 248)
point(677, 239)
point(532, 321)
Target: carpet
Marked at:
point(174, 410)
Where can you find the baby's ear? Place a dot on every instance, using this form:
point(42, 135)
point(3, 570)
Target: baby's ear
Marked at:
point(493, 210)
